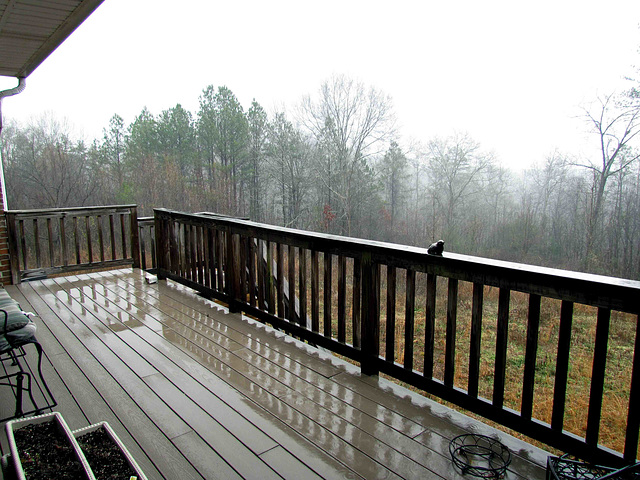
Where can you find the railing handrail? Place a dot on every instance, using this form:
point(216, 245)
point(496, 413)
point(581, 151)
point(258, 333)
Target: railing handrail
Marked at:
point(72, 210)
point(590, 289)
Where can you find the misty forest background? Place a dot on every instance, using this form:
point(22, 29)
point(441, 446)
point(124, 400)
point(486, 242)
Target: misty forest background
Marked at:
point(337, 165)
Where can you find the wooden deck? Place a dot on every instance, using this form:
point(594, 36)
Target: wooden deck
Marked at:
point(196, 392)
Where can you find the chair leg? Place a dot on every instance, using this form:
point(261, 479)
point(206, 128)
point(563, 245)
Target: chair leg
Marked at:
point(19, 389)
point(44, 382)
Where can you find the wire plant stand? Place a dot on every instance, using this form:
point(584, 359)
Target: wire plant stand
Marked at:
point(480, 456)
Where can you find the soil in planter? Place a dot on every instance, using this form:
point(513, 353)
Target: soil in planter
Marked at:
point(104, 456)
point(45, 453)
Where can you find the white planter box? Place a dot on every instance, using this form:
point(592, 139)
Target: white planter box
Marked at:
point(139, 474)
point(14, 425)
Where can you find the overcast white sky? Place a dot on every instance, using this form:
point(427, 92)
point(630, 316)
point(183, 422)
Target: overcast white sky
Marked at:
point(510, 73)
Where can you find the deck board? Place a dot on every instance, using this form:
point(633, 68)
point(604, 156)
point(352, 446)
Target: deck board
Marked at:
point(196, 392)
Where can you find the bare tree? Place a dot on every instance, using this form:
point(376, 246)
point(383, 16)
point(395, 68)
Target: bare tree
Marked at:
point(456, 165)
point(45, 168)
point(349, 123)
point(616, 123)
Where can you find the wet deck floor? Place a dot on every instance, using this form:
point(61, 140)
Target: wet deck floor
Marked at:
point(196, 392)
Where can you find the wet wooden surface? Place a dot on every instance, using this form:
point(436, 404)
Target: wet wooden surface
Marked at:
point(196, 392)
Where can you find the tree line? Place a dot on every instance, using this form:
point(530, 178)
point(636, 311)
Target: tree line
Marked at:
point(338, 165)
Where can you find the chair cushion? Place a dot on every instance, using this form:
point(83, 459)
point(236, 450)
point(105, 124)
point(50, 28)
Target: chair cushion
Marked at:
point(18, 336)
point(15, 319)
point(18, 328)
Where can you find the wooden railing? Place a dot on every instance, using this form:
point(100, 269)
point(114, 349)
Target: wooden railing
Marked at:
point(453, 326)
point(62, 240)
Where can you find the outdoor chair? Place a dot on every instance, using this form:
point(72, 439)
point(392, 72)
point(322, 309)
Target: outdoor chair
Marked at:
point(17, 330)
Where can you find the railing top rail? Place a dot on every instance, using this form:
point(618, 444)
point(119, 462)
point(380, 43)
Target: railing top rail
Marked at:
point(70, 210)
point(597, 290)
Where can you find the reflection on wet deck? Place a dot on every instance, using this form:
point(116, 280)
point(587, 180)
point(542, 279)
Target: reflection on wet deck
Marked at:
point(196, 392)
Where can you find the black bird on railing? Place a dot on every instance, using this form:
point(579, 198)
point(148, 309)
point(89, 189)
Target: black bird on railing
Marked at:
point(436, 248)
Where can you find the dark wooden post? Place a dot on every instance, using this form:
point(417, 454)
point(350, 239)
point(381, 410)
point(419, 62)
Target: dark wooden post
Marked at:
point(162, 246)
point(370, 334)
point(135, 240)
point(232, 272)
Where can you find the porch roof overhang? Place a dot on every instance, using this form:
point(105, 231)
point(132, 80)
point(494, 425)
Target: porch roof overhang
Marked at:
point(30, 30)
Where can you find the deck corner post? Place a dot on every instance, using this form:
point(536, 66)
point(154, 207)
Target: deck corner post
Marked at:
point(135, 239)
point(370, 318)
point(232, 272)
point(162, 246)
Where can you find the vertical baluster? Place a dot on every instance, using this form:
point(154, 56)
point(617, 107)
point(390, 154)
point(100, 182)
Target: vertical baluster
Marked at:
point(327, 293)
point(63, 242)
point(302, 266)
point(244, 258)
point(197, 252)
point(206, 256)
point(193, 259)
point(452, 319)
point(220, 259)
point(36, 238)
point(213, 251)
point(597, 376)
point(315, 291)
point(143, 249)
point(23, 245)
point(180, 243)
point(112, 231)
point(173, 230)
point(76, 239)
point(562, 366)
point(633, 417)
point(342, 298)
point(252, 271)
point(476, 338)
point(356, 317)
point(430, 325)
point(100, 236)
point(176, 247)
point(280, 280)
point(186, 265)
point(409, 319)
point(87, 224)
point(291, 276)
point(271, 297)
point(502, 336)
point(167, 247)
point(261, 276)
point(390, 343)
point(135, 239)
point(531, 354)
point(123, 233)
point(153, 246)
point(51, 252)
point(233, 269)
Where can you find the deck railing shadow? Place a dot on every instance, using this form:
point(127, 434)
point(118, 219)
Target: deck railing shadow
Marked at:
point(361, 299)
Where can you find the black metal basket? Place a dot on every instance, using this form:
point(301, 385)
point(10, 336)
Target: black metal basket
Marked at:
point(479, 456)
point(563, 468)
